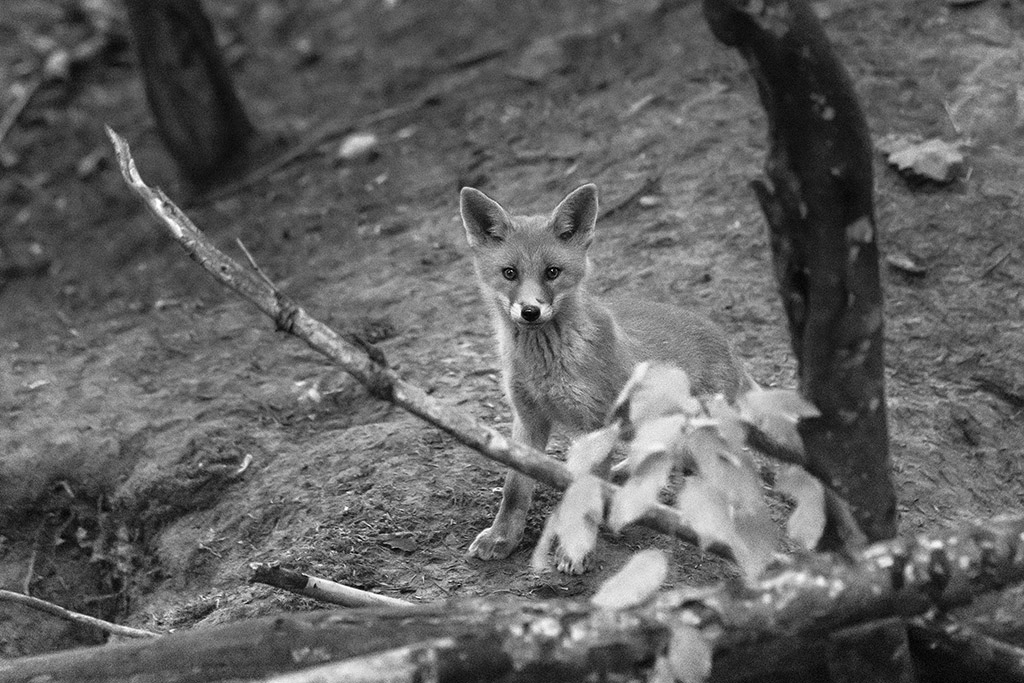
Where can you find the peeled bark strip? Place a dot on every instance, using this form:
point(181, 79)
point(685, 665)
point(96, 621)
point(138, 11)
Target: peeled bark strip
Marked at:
point(197, 112)
point(819, 207)
point(751, 626)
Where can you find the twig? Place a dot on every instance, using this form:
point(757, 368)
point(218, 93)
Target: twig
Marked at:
point(75, 617)
point(381, 381)
point(318, 589)
point(949, 115)
point(716, 89)
point(640, 104)
point(252, 262)
point(10, 116)
point(1000, 390)
point(996, 264)
point(26, 584)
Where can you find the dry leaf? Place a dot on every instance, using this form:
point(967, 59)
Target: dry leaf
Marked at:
point(807, 522)
point(573, 524)
point(727, 422)
point(655, 391)
point(635, 583)
point(931, 159)
point(397, 542)
point(591, 450)
point(787, 402)
point(689, 655)
point(904, 263)
point(640, 491)
point(658, 435)
point(760, 539)
point(776, 413)
point(731, 473)
point(706, 510)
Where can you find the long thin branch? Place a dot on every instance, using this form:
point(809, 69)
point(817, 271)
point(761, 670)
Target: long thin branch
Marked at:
point(380, 380)
point(75, 617)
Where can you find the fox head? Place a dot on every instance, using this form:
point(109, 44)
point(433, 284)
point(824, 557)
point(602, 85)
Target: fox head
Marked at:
point(530, 267)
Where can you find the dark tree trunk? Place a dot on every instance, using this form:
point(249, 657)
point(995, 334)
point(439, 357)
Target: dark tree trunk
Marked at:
point(197, 112)
point(820, 212)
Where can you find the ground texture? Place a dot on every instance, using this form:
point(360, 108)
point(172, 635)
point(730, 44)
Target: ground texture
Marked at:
point(132, 387)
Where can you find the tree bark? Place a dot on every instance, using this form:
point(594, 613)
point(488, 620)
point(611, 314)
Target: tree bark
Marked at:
point(820, 212)
point(954, 653)
point(200, 118)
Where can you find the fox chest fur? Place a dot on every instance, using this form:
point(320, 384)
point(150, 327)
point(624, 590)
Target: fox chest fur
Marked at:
point(565, 372)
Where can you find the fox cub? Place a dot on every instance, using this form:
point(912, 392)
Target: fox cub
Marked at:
point(566, 355)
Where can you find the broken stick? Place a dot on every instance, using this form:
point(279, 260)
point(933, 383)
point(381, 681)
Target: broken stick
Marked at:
point(273, 574)
point(74, 617)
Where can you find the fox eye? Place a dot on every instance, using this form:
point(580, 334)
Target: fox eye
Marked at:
point(552, 272)
point(510, 273)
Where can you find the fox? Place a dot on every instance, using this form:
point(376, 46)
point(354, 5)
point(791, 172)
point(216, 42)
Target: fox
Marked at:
point(564, 353)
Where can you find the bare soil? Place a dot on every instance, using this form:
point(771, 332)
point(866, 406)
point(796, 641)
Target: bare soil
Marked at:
point(132, 387)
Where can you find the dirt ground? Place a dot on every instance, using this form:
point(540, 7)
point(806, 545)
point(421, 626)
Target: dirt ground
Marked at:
point(132, 386)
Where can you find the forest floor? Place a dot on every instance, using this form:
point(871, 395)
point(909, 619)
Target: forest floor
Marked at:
point(132, 386)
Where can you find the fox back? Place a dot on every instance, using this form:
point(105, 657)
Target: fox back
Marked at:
point(565, 354)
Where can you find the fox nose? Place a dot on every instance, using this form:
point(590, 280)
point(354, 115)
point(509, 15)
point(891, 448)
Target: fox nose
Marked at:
point(530, 313)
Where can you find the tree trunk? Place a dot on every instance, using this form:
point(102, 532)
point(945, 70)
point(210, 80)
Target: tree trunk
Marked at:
point(820, 212)
point(197, 112)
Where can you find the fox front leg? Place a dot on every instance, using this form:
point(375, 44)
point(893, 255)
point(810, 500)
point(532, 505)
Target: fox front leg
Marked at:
point(497, 541)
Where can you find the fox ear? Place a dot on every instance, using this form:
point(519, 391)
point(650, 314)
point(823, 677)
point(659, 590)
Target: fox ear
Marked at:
point(575, 216)
point(484, 219)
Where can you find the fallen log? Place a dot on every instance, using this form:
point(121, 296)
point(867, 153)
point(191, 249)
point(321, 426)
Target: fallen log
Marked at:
point(790, 609)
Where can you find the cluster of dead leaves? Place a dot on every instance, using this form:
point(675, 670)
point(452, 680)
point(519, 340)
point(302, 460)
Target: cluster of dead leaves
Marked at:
point(664, 427)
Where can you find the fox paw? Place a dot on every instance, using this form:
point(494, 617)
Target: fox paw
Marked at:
point(568, 565)
point(494, 544)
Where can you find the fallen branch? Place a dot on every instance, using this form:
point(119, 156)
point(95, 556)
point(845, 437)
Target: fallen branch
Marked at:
point(751, 627)
point(318, 589)
point(74, 617)
point(366, 366)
